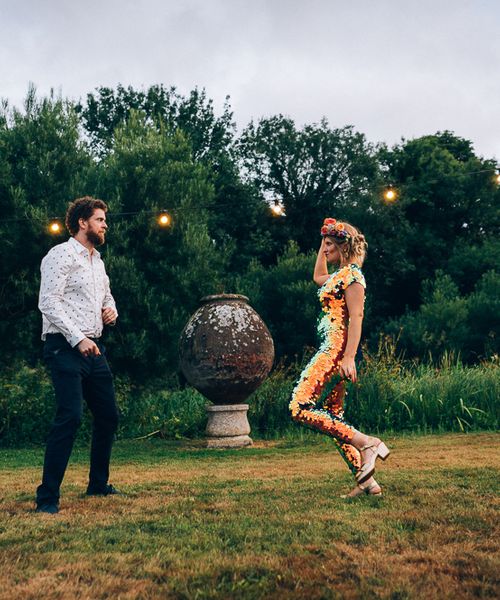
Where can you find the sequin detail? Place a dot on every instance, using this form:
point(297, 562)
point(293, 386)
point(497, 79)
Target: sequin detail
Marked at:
point(318, 398)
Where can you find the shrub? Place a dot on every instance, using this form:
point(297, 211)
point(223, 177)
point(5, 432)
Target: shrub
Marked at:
point(391, 395)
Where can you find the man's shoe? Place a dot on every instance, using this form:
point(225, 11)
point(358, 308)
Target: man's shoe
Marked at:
point(107, 490)
point(51, 509)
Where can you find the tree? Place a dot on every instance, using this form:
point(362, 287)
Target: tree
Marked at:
point(447, 200)
point(157, 275)
point(211, 139)
point(315, 172)
point(107, 109)
point(285, 297)
point(43, 166)
point(447, 321)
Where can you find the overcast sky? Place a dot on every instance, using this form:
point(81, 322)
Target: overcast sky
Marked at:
point(391, 68)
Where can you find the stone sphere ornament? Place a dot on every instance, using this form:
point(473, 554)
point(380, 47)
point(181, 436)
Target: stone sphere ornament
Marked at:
point(226, 352)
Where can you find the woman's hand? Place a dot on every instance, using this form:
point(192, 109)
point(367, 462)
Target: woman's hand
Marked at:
point(347, 368)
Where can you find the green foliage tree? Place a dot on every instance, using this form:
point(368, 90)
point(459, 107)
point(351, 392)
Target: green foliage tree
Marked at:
point(465, 325)
point(285, 296)
point(315, 172)
point(318, 171)
point(106, 109)
point(43, 164)
point(158, 274)
point(211, 138)
point(447, 201)
point(146, 151)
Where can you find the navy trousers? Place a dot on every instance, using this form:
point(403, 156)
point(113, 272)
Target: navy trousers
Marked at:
point(77, 378)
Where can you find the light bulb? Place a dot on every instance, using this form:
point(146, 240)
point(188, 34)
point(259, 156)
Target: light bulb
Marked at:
point(390, 195)
point(277, 209)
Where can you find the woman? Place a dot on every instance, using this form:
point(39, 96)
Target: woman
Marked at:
point(318, 397)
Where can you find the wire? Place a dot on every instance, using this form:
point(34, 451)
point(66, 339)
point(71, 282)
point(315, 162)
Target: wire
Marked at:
point(201, 207)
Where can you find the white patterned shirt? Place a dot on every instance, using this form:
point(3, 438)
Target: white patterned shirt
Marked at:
point(73, 292)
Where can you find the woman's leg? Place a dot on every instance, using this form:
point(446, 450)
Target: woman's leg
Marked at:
point(312, 386)
point(315, 383)
point(334, 404)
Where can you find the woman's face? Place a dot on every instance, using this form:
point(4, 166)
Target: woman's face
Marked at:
point(331, 251)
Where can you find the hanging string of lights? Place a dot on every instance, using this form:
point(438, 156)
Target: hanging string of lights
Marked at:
point(390, 194)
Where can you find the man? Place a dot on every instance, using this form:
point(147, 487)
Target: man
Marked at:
point(76, 301)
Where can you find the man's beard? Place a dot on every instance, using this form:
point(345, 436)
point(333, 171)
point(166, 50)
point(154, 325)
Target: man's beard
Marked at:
point(95, 239)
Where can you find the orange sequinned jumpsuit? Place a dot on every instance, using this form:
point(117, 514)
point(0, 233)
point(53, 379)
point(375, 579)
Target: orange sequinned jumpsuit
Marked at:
point(318, 398)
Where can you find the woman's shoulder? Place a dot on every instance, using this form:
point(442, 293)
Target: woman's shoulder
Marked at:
point(351, 273)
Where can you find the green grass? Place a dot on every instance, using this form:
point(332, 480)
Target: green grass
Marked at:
point(262, 522)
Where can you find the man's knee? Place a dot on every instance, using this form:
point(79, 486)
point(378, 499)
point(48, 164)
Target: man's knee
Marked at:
point(69, 419)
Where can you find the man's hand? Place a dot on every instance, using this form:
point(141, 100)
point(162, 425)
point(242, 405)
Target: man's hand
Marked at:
point(108, 316)
point(88, 348)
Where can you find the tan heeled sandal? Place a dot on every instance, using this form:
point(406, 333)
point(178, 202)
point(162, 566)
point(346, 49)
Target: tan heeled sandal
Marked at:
point(360, 490)
point(368, 467)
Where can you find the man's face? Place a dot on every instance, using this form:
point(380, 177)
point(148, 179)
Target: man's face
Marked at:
point(96, 227)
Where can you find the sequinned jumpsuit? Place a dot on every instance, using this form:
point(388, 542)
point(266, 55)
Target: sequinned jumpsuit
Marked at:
point(318, 398)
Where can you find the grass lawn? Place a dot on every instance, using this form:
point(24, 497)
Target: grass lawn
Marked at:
point(264, 522)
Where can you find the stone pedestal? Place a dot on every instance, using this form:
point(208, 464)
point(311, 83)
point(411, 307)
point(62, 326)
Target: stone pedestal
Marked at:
point(228, 426)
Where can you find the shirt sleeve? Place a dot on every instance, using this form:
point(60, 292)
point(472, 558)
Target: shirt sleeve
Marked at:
point(109, 301)
point(55, 269)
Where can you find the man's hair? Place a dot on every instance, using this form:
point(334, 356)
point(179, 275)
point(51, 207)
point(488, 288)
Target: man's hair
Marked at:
point(82, 208)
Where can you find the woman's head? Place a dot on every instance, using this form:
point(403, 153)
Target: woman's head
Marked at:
point(343, 242)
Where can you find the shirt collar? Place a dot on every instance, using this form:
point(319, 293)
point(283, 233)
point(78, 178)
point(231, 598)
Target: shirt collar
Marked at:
point(80, 248)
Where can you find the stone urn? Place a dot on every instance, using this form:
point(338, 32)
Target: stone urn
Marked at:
point(226, 352)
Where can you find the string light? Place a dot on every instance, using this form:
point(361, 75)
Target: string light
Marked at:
point(390, 194)
point(55, 227)
point(278, 209)
point(164, 219)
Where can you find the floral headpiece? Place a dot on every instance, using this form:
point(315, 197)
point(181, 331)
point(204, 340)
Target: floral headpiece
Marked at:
point(336, 230)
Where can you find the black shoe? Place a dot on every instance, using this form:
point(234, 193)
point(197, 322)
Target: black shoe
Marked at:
point(107, 490)
point(51, 509)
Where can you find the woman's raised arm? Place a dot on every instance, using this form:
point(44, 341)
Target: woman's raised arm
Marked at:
point(321, 268)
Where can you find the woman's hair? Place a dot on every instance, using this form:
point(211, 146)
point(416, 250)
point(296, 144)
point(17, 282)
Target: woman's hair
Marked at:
point(349, 240)
point(82, 208)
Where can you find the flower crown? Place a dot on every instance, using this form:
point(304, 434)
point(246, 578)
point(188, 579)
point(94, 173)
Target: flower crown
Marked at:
point(336, 230)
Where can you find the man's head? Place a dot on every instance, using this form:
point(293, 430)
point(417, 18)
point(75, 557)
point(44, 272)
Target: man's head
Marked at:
point(88, 216)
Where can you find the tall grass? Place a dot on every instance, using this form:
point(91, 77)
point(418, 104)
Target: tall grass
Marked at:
point(409, 396)
point(392, 395)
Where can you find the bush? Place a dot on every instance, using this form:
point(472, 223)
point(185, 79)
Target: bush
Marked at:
point(27, 408)
point(398, 396)
point(169, 414)
point(392, 395)
point(268, 413)
point(282, 292)
point(449, 322)
point(26, 405)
